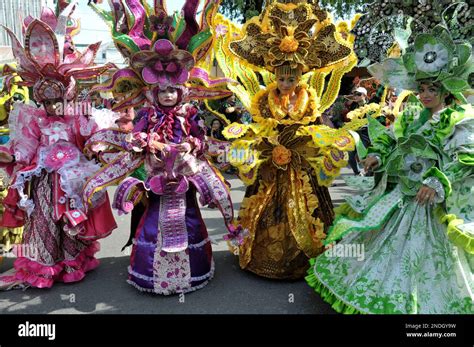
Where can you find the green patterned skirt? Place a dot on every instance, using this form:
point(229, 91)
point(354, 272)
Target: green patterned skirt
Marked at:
point(407, 266)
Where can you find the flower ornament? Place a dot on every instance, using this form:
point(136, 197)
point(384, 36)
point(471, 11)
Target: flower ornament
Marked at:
point(161, 48)
point(60, 155)
point(416, 166)
point(281, 156)
point(297, 36)
point(221, 30)
point(287, 149)
point(236, 235)
point(431, 58)
point(164, 65)
point(47, 61)
point(290, 44)
point(55, 132)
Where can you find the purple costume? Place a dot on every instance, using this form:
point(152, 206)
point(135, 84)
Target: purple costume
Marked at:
point(171, 249)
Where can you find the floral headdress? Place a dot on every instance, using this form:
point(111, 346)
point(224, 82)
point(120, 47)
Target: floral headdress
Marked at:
point(162, 50)
point(291, 36)
point(48, 61)
point(441, 54)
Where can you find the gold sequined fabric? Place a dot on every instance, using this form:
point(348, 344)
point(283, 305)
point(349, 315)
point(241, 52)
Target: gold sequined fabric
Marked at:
point(285, 228)
point(294, 34)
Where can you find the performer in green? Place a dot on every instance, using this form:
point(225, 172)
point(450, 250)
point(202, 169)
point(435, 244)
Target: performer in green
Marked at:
point(414, 222)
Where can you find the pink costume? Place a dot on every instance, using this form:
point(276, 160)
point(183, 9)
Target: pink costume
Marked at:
point(50, 168)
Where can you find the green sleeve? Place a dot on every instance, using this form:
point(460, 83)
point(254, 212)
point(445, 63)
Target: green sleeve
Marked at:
point(382, 141)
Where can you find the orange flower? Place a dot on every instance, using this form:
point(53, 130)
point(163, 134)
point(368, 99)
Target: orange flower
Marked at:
point(289, 44)
point(281, 156)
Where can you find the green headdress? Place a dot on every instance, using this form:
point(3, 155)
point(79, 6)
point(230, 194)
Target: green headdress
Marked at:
point(433, 56)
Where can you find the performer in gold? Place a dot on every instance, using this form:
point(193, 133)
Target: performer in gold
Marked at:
point(288, 156)
point(10, 94)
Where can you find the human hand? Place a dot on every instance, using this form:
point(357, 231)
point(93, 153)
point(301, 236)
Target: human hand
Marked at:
point(370, 163)
point(425, 195)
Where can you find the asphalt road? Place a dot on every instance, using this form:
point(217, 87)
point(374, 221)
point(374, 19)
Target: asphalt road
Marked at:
point(232, 291)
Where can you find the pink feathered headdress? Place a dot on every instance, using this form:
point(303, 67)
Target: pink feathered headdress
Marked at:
point(48, 61)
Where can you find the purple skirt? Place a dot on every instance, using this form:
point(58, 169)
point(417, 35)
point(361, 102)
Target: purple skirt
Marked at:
point(156, 271)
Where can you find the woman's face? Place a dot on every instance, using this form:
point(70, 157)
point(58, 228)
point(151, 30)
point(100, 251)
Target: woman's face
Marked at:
point(53, 107)
point(287, 84)
point(358, 96)
point(430, 95)
point(216, 125)
point(168, 97)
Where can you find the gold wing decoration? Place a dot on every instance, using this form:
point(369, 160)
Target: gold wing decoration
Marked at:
point(232, 66)
point(287, 33)
point(319, 146)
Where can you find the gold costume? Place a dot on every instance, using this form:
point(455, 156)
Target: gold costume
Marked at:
point(286, 156)
point(9, 94)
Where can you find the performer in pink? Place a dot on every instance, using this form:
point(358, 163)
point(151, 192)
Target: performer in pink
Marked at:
point(46, 160)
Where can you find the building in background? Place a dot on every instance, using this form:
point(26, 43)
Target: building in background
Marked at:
point(12, 13)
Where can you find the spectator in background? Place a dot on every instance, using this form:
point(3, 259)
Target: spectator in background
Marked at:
point(231, 110)
point(356, 100)
point(215, 131)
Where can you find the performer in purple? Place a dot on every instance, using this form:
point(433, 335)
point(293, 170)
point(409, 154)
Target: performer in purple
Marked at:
point(171, 250)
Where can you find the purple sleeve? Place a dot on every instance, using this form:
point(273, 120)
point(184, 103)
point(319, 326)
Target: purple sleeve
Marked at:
point(141, 123)
point(197, 129)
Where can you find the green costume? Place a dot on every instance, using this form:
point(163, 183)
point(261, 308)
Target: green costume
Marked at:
point(397, 256)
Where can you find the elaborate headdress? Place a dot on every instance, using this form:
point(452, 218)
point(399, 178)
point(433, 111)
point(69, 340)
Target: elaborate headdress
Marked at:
point(441, 54)
point(291, 36)
point(162, 51)
point(376, 30)
point(48, 61)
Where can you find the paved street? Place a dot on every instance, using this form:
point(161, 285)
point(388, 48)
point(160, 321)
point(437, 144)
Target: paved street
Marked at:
point(232, 291)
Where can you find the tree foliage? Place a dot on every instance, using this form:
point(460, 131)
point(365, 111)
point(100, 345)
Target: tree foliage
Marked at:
point(243, 10)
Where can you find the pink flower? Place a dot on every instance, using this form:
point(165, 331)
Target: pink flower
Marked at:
point(221, 30)
point(60, 155)
point(55, 132)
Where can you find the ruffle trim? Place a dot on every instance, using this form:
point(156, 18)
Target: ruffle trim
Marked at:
point(346, 210)
point(42, 276)
point(326, 294)
point(457, 236)
point(210, 274)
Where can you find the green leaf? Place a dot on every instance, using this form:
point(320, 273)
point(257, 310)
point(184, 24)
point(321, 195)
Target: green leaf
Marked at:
point(442, 36)
point(421, 75)
point(409, 62)
point(402, 36)
point(423, 39)
point(464, 51)
point(455, 85)
point(443, 75)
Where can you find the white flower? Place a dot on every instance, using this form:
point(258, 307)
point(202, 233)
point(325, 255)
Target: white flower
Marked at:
point(432, 58)
point(416, 167)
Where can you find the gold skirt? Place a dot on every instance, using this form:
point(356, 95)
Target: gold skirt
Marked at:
point(287, 220)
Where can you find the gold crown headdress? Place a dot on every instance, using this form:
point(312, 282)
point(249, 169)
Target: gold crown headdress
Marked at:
point(289, 36)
